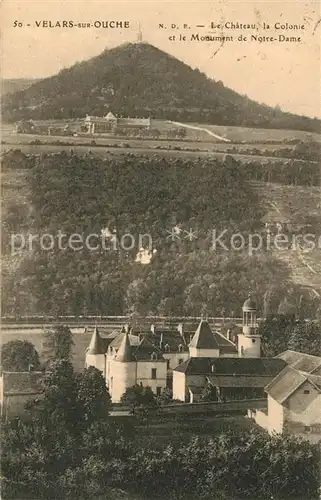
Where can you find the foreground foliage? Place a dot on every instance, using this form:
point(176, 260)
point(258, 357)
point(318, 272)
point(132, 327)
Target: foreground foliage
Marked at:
point(70, 448)
point(19, 356)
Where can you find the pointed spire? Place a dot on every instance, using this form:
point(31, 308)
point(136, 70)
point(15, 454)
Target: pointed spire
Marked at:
point(124, 352)
point(203, 337)
point(96, 344)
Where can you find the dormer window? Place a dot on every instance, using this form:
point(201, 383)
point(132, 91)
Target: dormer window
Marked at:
point(180, 348)
point(167, 348)
point(153, 356)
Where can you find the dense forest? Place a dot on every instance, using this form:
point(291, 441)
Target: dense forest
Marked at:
point(141, 80)
point(137, 196)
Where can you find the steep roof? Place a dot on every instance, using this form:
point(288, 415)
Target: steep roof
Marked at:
point(145, 349)
point(226, 346)
point(232, 366)
point(203, 337)
point(288, 381)
point(116, 342)
point(301, 361)
point(110, 116)
point(124, 352)
point(96, 345)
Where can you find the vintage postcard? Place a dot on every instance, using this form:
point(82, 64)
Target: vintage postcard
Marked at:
point(161, 244)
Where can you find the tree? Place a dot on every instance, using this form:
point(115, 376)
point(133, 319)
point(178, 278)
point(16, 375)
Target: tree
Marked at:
point(305, 337)
point(19, 356)
point(275, 331)
point(59, 404)
point(93, 396)
point(138, 395)
point(209, 393)
point(58, 343)
point(166, 397)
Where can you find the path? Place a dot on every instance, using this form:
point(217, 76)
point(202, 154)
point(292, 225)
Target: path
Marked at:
point(195, 127)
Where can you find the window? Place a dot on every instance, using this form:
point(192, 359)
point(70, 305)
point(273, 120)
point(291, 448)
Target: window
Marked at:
point(180, 361)
point(168, 364)
point(253, 341)
point(306, 391)
point(307, 428)
point(158, 391)
point(153, 373)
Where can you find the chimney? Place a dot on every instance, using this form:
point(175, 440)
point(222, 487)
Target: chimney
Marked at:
point(153, 329)
point(30, 367)
point(161, 341)
point(228, 334)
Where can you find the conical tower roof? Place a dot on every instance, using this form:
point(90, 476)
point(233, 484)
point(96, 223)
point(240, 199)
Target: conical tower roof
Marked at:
point(96, 345)
point(203, 337)
point(124, 352)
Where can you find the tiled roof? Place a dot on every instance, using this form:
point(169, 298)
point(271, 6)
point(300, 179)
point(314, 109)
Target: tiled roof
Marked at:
point(171, 338)
point(316, 380)
point(288, 381)
point(203, 337)
point(225, 345)
point(232, 366)
point(240, 380)
point(124, 352)
point(145, 350)
point(22, 382)
point(96, 345)
point(116, 342)
point(301, 361)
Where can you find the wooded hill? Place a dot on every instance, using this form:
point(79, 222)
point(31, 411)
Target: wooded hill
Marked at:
point(139, 80)
point(140, 195)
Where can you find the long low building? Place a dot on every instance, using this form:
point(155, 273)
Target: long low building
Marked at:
point(110, 123)
point(231, 377)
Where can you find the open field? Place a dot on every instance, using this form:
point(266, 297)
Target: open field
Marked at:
point(143, 150)
point(11, 138)
point(236, 134)
point(259, 134)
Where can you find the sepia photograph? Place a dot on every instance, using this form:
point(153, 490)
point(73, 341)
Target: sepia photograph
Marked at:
point(160, 250)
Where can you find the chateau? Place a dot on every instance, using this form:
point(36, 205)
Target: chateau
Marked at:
point(110, 123)
point(163, 358)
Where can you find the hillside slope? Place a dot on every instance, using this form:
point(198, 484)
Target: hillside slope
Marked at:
point(10, 85)
point(139, 80)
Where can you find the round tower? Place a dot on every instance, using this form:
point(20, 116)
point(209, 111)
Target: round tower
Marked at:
point(95, 354)
point(249, 341)
point(123, 370)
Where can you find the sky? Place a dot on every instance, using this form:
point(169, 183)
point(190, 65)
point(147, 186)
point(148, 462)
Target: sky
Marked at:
point(276, 73)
